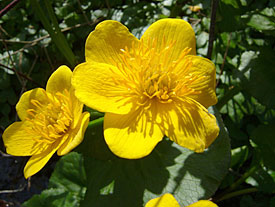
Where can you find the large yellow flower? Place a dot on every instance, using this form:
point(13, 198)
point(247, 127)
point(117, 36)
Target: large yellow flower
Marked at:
point(148, 88)
point(168, 200)
point(52, 120)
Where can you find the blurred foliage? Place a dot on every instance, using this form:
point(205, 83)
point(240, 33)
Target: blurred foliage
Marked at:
point(243, 54)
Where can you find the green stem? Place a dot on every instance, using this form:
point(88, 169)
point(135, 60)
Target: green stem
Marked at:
point(96, 122)
point(237, 183)
point(242, 179)
point(237, 193)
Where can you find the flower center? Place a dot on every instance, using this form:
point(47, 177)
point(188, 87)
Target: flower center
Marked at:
point(150, 73)
point(52, 118)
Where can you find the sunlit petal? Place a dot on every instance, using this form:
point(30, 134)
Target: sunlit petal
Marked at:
point(76, 136)
point(24, 103)
point(133, 135)
point(37, 162)
point(200, 77)
point(19, 142)
point(104, 44)
point(189, 124)
point(98, 86)
point(203, 203)
point(59, 80)
point(166, 200)
point(165, 32)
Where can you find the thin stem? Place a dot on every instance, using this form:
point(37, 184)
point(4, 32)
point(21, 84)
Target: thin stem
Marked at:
point(212, 27)
point(237, 193)
point(237, 183)
point(96, 122)
point(8, 7)
point(20, 74)
point(224, 58)
point(34, 42)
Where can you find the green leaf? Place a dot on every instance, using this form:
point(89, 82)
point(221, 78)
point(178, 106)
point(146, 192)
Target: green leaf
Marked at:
point(263, 137)
point(67, 185)
point(113, 181)
point(238, 156)
point(263, 21)
point(262, 180)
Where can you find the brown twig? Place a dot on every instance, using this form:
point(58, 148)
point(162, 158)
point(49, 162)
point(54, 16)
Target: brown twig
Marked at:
point(3, 154)
point(21, 74)
point(9, 55)
point(85, 16)
point(34, 42)
point(212, 28)
point(13, 191)
point(224, 58)
point(8, 7)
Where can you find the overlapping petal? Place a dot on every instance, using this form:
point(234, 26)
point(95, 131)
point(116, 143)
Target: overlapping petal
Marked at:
point(24, 102)
point(59, 80)
point(171, 31)
point(104, 44)
point(95, 86)
point(76, 136)
point(38, 161)
point(18, 141)
point(132, 135)
point(189, 124)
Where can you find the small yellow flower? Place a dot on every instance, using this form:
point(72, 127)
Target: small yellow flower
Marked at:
point(168, 200)
point(148, 88)
point(52, 120)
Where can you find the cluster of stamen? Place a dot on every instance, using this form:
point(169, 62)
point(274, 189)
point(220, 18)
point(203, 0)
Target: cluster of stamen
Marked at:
point(51, 119)
point(150, 74)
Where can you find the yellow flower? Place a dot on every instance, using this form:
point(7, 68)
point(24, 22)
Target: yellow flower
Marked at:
point(148, 88)
point(168, 200)
point(52, 120)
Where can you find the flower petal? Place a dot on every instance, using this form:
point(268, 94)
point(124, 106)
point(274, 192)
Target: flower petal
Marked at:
point(24, 102)
point(205, 72)
point(105, 42)
point(59, 80)
point(37, 162)
point(133, 135)
point(189, 124)
point(171, 31)
point(96, 87)
point(76, 136)
point(203, 203)
point(166, 200)
point(19, 142)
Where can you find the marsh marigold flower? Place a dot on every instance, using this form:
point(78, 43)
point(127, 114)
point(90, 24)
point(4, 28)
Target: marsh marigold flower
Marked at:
point(51, 120)
point(148, 88)
point(168, 200)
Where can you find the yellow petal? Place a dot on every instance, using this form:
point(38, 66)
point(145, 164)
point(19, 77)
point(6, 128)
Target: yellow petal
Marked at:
point(95, 86)
point(37, 162)
point(165, 32)
point(203, 203)
point(166, 200)
point(133, 135)
point(24, 102)
point(19, 142)
point(59, 80)
point(105, 42)
point(76, 136)
point(205, 73)
point(189, 124)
